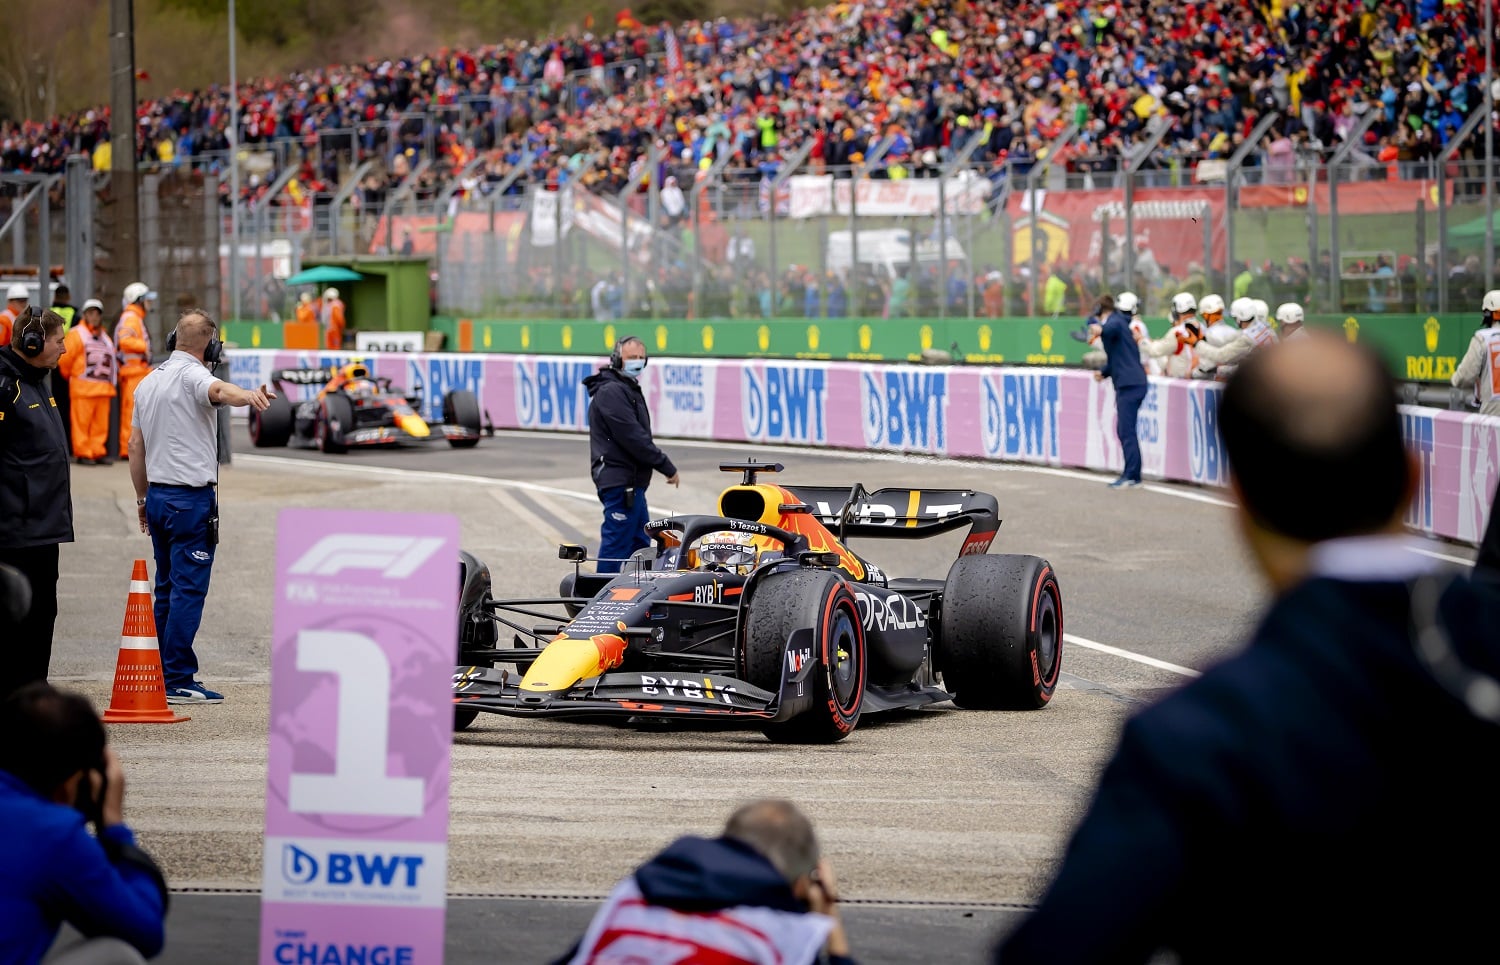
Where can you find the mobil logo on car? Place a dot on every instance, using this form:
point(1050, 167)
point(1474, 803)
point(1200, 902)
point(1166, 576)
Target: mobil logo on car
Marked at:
point(550, 393)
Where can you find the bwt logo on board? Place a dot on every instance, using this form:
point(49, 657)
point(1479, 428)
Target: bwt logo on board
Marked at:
point(356, 869)
point(785, 403)
point(1418, 430)
point(550, 394)
point(1207, 462)
point(439, 375)
point(905, 409)
point(1020, 416)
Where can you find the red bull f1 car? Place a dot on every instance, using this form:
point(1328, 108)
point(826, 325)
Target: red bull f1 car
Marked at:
point(355, 409)
point(761, 616)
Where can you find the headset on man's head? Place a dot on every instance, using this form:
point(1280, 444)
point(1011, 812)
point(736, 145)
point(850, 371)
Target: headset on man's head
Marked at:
point(33, 337)
point(616, 359)
point(213, 352)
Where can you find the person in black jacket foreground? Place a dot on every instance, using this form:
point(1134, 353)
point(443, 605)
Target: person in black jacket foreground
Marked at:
point(759, 893)
point(36, 504)
point(622, 453)
point(1316, 797)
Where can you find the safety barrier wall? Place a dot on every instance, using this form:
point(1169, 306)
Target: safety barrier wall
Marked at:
point(1417, 348)
point(1016, 414)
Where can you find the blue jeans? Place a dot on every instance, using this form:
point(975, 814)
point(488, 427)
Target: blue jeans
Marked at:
point(178, 519)
point(624, 529)
point(1127, 407)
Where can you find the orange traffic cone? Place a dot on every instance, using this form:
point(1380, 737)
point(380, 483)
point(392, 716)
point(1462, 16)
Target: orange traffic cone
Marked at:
point(140, 694)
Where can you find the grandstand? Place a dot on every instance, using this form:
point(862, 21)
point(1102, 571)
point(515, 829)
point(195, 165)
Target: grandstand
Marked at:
point(1068, 95)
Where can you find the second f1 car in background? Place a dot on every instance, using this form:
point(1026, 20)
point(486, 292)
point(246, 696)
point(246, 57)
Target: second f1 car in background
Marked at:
point(356, 409)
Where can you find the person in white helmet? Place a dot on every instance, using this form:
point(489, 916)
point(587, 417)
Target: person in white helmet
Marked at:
point(1175, 352)
point(1289, 319)
point(16, 297)
point(1216, 327)
point(133, 349)
point(333, 320)
point(1480, 368)
point(1262, 311)
point(1218, 360)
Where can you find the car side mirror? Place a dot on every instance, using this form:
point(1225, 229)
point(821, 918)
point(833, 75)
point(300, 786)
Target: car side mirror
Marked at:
point(571, 552)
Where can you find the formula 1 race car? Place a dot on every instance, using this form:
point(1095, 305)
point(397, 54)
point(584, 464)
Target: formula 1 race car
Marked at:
point(355, 408)
point(762, 617)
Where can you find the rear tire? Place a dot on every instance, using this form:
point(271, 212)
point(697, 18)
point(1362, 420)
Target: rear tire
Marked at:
point(273, 427)
point(784, 603)
point(461, 408)
point(335, 418)
point(1000, 642)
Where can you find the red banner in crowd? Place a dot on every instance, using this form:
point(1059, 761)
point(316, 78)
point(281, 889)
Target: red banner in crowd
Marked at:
point(1174, 228)
point(1360, 197)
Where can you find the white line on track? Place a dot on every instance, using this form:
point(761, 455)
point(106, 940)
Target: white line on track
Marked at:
point(1129, 655)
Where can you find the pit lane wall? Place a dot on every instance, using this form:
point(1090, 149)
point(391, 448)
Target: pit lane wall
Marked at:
point(1054, 417)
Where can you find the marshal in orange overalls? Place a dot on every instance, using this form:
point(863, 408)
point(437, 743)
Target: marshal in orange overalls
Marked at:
point(133, 343)
point(333, 312)
point(89, 365)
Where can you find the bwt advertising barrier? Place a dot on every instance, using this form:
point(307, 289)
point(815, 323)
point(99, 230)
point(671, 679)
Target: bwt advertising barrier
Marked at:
point(1022, 414)
point(356, 846)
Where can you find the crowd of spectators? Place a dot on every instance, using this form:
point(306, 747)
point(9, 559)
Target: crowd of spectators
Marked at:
point(1014, 73)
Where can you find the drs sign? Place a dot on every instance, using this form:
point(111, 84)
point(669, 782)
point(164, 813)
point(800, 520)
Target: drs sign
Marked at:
point(356, 858)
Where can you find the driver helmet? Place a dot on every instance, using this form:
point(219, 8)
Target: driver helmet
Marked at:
point(728, 549)
point(356, 370)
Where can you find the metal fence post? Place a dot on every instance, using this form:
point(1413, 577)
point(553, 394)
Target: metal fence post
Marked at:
point(855, 173)
point(788, 167)
point(1335, 165)
point(79, 219)
point(1442, 207)
point(1231, 177)
point(1133, 162)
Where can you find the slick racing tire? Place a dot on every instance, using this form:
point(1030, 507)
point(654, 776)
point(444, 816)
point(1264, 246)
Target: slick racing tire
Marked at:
point(820, 600)
point(335, 417)
point(999, 645)
point(461, 408)
point(273, 427)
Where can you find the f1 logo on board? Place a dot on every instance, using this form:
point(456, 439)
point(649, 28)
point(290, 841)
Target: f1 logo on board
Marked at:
point(396, 557)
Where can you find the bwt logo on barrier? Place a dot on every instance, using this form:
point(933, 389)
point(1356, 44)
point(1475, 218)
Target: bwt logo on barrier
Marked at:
point(396, 557)
point(1207, 462)
point(439, 375)
point(354, 869)
point(1418, 430)
point(905, 409)
point(1020, 416)
point(785, 404)
point(550, 393)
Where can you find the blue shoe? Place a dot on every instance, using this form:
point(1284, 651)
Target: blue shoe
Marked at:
point(193, 693)
point(1123, 483)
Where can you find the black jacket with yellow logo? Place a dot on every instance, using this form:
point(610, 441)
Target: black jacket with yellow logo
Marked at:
point(36, 508)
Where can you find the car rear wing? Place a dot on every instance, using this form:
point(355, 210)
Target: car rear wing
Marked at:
point(904, 513)
point(303, 376)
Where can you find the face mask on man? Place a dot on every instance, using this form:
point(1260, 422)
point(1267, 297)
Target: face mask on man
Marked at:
point(634, 367)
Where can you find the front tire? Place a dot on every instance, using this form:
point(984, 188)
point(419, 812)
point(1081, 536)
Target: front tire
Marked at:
point(272, 428)
point(461, 408)
point(335, 417)
point(999, 646)
point(784, 603)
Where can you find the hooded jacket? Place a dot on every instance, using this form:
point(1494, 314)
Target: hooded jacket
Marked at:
point(621, 450)
point(36, 507)
point(719, 895)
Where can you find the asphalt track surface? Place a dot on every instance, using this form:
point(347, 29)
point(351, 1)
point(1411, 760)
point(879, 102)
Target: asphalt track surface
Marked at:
point(941, 823)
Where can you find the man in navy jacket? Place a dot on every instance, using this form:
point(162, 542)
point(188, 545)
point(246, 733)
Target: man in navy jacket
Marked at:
point(1273, 809)
point(1122, 365)
point(622, 454)
point(56, 774)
